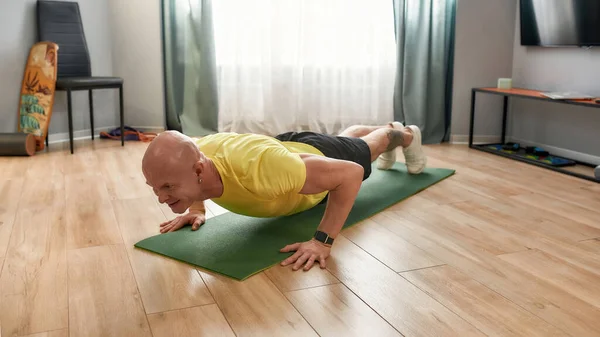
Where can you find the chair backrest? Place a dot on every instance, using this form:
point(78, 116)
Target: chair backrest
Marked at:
point(60, 22)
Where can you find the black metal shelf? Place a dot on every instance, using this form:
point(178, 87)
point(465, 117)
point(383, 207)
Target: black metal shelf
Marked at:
point(529, 94)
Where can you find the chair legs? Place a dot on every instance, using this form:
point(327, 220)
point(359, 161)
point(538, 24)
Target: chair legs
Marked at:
point(70, 113)
point(91, 100)
point(122, 116)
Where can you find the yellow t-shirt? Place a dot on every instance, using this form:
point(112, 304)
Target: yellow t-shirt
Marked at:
point(262, 176)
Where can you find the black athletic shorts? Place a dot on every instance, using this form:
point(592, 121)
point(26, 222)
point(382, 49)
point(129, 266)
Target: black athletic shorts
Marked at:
point(343, 148)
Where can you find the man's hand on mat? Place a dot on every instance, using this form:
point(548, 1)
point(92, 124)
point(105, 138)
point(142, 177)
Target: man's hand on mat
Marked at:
point(306, 252)
point(194, 218)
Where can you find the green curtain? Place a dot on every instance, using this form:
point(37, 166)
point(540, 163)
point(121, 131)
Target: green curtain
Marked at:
point(192, 103)
point(425, 62)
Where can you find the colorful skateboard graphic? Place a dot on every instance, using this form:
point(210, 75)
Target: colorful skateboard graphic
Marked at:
point(37, 91)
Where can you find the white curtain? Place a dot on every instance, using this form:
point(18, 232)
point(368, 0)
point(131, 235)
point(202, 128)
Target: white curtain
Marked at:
point(291, 65)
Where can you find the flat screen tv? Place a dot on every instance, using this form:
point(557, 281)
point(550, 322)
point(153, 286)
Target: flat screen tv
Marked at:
point(555, 23)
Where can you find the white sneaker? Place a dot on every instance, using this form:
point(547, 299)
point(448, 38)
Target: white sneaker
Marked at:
point(414, 156)
point(386, 160)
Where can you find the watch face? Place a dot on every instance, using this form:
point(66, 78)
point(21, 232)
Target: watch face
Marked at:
point(320, 236)
point(323, 237)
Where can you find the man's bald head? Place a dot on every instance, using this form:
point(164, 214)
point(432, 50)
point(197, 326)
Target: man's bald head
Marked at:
point(173, 166)
point(168, 149)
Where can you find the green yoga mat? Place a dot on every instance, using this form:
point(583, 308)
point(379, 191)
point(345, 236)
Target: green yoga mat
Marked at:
point(238, 246)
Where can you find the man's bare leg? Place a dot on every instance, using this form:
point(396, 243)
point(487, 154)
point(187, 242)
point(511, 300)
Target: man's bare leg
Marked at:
point(386, 159)
point(384, 141)
point(359, 131)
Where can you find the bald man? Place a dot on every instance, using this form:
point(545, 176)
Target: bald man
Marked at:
point(263, 176)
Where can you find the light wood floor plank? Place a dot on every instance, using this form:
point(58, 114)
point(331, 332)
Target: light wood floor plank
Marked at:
point(164, 283)
point(206, 320)
point(468, 173)
point(592, 246)
point(53, 333)
point(408, 309)
point(506, 237)
point(448, 191)
point(13, 167)
point(462, 228)
point(81, 163)
point(391, 250)
point(138, 218)
point(135, 153)
point(478, 181)
point(123, 180)
point(90, 218)
point(40, 194)
point(514, 171)
point(462, 155)
point(487, 185)
point(587, 198)
point(569, 252)
point(576, 281)
point(533, 294)
point(255, 307)
point(33, 283)
point(48, 165)
point(10, 194)
point(103, 297)
point(528, 222)
point(287, 279)
point(561, 207)
point(537, 236)
point(335, 311)
point(546, 181)
point(593, 190)
point(489, 311)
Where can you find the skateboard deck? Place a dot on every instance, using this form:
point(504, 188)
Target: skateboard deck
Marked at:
point(37, 91)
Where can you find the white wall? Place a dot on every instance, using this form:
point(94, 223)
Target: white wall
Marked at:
point(18, 33)
point(137, 57)
point(124, 39)
point(483, 53)
point(561, 126)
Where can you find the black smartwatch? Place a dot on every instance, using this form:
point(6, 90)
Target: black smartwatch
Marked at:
point(323, 237)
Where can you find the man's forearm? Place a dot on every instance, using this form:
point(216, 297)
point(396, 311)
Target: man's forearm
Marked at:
point(339, 204)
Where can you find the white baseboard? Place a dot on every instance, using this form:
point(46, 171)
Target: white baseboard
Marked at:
point(557, 151)
point(54, 138)
point(464, 139)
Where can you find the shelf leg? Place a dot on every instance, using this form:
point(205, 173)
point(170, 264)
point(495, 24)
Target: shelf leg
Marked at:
point(504, 116)
point(472, 125)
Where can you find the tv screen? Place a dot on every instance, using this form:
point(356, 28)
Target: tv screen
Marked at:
point(560, 22)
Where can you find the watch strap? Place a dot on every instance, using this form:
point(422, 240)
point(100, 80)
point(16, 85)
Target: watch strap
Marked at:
point(323, 237)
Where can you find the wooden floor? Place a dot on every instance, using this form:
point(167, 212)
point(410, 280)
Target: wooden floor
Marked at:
point(502, 248)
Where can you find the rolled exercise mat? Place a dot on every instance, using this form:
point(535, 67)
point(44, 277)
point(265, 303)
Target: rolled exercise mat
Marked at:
point(17, 144)
point(238, 246)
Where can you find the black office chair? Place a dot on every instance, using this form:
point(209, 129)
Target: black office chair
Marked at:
point(60, 22)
